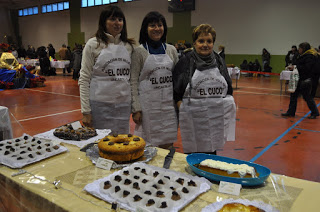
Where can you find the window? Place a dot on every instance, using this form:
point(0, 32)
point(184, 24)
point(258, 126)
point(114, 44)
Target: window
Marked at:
point(49, 8)
point(90, 3)
point(60, 6)
point(35, 10)
point(28, 11)
point(66, 5)
point(44, 9)
point(55, 7)
point(98, 2)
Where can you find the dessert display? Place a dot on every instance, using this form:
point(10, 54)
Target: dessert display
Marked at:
point(143, 186)
point(25, 150)
point(67, 132)
point(245, 205)
point(235, 207)
point(121, 147)
point(227, 169)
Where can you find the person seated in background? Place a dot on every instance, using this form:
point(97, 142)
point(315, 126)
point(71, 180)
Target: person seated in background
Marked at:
point(256, 67)
point(250, 68)
point(221, 52)
point(291, 57)
point(267, 68)
point(244, 65)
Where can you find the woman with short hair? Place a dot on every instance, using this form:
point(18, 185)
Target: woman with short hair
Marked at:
point(203, 94)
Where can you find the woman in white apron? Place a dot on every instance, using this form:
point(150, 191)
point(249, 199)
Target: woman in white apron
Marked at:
point(151, 83)
point(203, 93)
point(104, 76)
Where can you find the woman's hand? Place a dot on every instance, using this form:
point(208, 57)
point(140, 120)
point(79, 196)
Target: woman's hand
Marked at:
point(178, 104)
point(87, 120)
point(137, 117)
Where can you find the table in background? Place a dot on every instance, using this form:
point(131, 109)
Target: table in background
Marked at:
point(234, 73)
point(284, 75)
point(75, 170)
point(60, 64)
point(31, 62)
point(5, 124)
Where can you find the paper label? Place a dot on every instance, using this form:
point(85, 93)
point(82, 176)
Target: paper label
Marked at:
point(76, 125)
point(229, 188)
point(104, 163)
point(141, 209)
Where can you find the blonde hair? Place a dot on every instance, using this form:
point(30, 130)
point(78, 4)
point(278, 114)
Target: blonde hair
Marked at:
point(203, 29)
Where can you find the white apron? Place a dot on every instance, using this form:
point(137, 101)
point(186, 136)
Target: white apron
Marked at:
point(205, 116)
point(110, 93)
point(159, 120)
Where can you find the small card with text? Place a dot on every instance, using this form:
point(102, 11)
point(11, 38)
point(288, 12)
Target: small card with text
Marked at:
point(104, 163)
point(76, 125)
point(229, 188)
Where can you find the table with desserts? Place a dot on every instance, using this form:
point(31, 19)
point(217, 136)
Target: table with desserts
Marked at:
point(57, 183)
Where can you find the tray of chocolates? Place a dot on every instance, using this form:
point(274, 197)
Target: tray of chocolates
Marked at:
point(142, 186)
point(25, 150)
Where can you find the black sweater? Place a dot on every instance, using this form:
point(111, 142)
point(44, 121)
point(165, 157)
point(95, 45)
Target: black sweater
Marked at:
point(181, 75)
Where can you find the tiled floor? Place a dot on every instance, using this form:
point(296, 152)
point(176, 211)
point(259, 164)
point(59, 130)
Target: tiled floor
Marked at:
point(288, 146)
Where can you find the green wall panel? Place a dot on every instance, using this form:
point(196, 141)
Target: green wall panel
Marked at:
point(182, 29)
point(75, 35)
point(277, 61)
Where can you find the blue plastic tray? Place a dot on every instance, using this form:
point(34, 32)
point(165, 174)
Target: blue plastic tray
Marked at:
point(196, 158)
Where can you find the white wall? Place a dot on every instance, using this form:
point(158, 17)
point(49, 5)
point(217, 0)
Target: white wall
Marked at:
point(134, 12)
point(42, 29)
point(243, 26)
point(248, 26)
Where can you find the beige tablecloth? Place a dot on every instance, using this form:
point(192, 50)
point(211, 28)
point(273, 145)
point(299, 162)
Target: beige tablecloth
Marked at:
point(27, 193)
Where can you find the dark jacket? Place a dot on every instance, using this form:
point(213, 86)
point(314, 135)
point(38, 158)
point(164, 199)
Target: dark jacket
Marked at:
point(181, 75)
point(52, 52)
point(292, 61)
point(222, 55)
point(75, 63)
point(306, 65)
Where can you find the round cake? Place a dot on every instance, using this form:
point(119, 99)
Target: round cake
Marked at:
point(122, 147)
point(235, 207)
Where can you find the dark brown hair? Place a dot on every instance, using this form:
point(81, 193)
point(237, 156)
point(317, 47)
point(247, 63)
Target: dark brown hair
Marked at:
point(112, 11)
point(152, 17)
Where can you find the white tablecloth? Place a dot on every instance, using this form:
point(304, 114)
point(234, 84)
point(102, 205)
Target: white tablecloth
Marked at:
point(60, 64)
point(5, 124)
point(32, 62)
point(234, 72)
point(285, 75)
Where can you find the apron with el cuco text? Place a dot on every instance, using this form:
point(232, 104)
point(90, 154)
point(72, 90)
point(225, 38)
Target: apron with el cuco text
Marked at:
point(202, 117)
point(110, 93)
point(159, 120)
